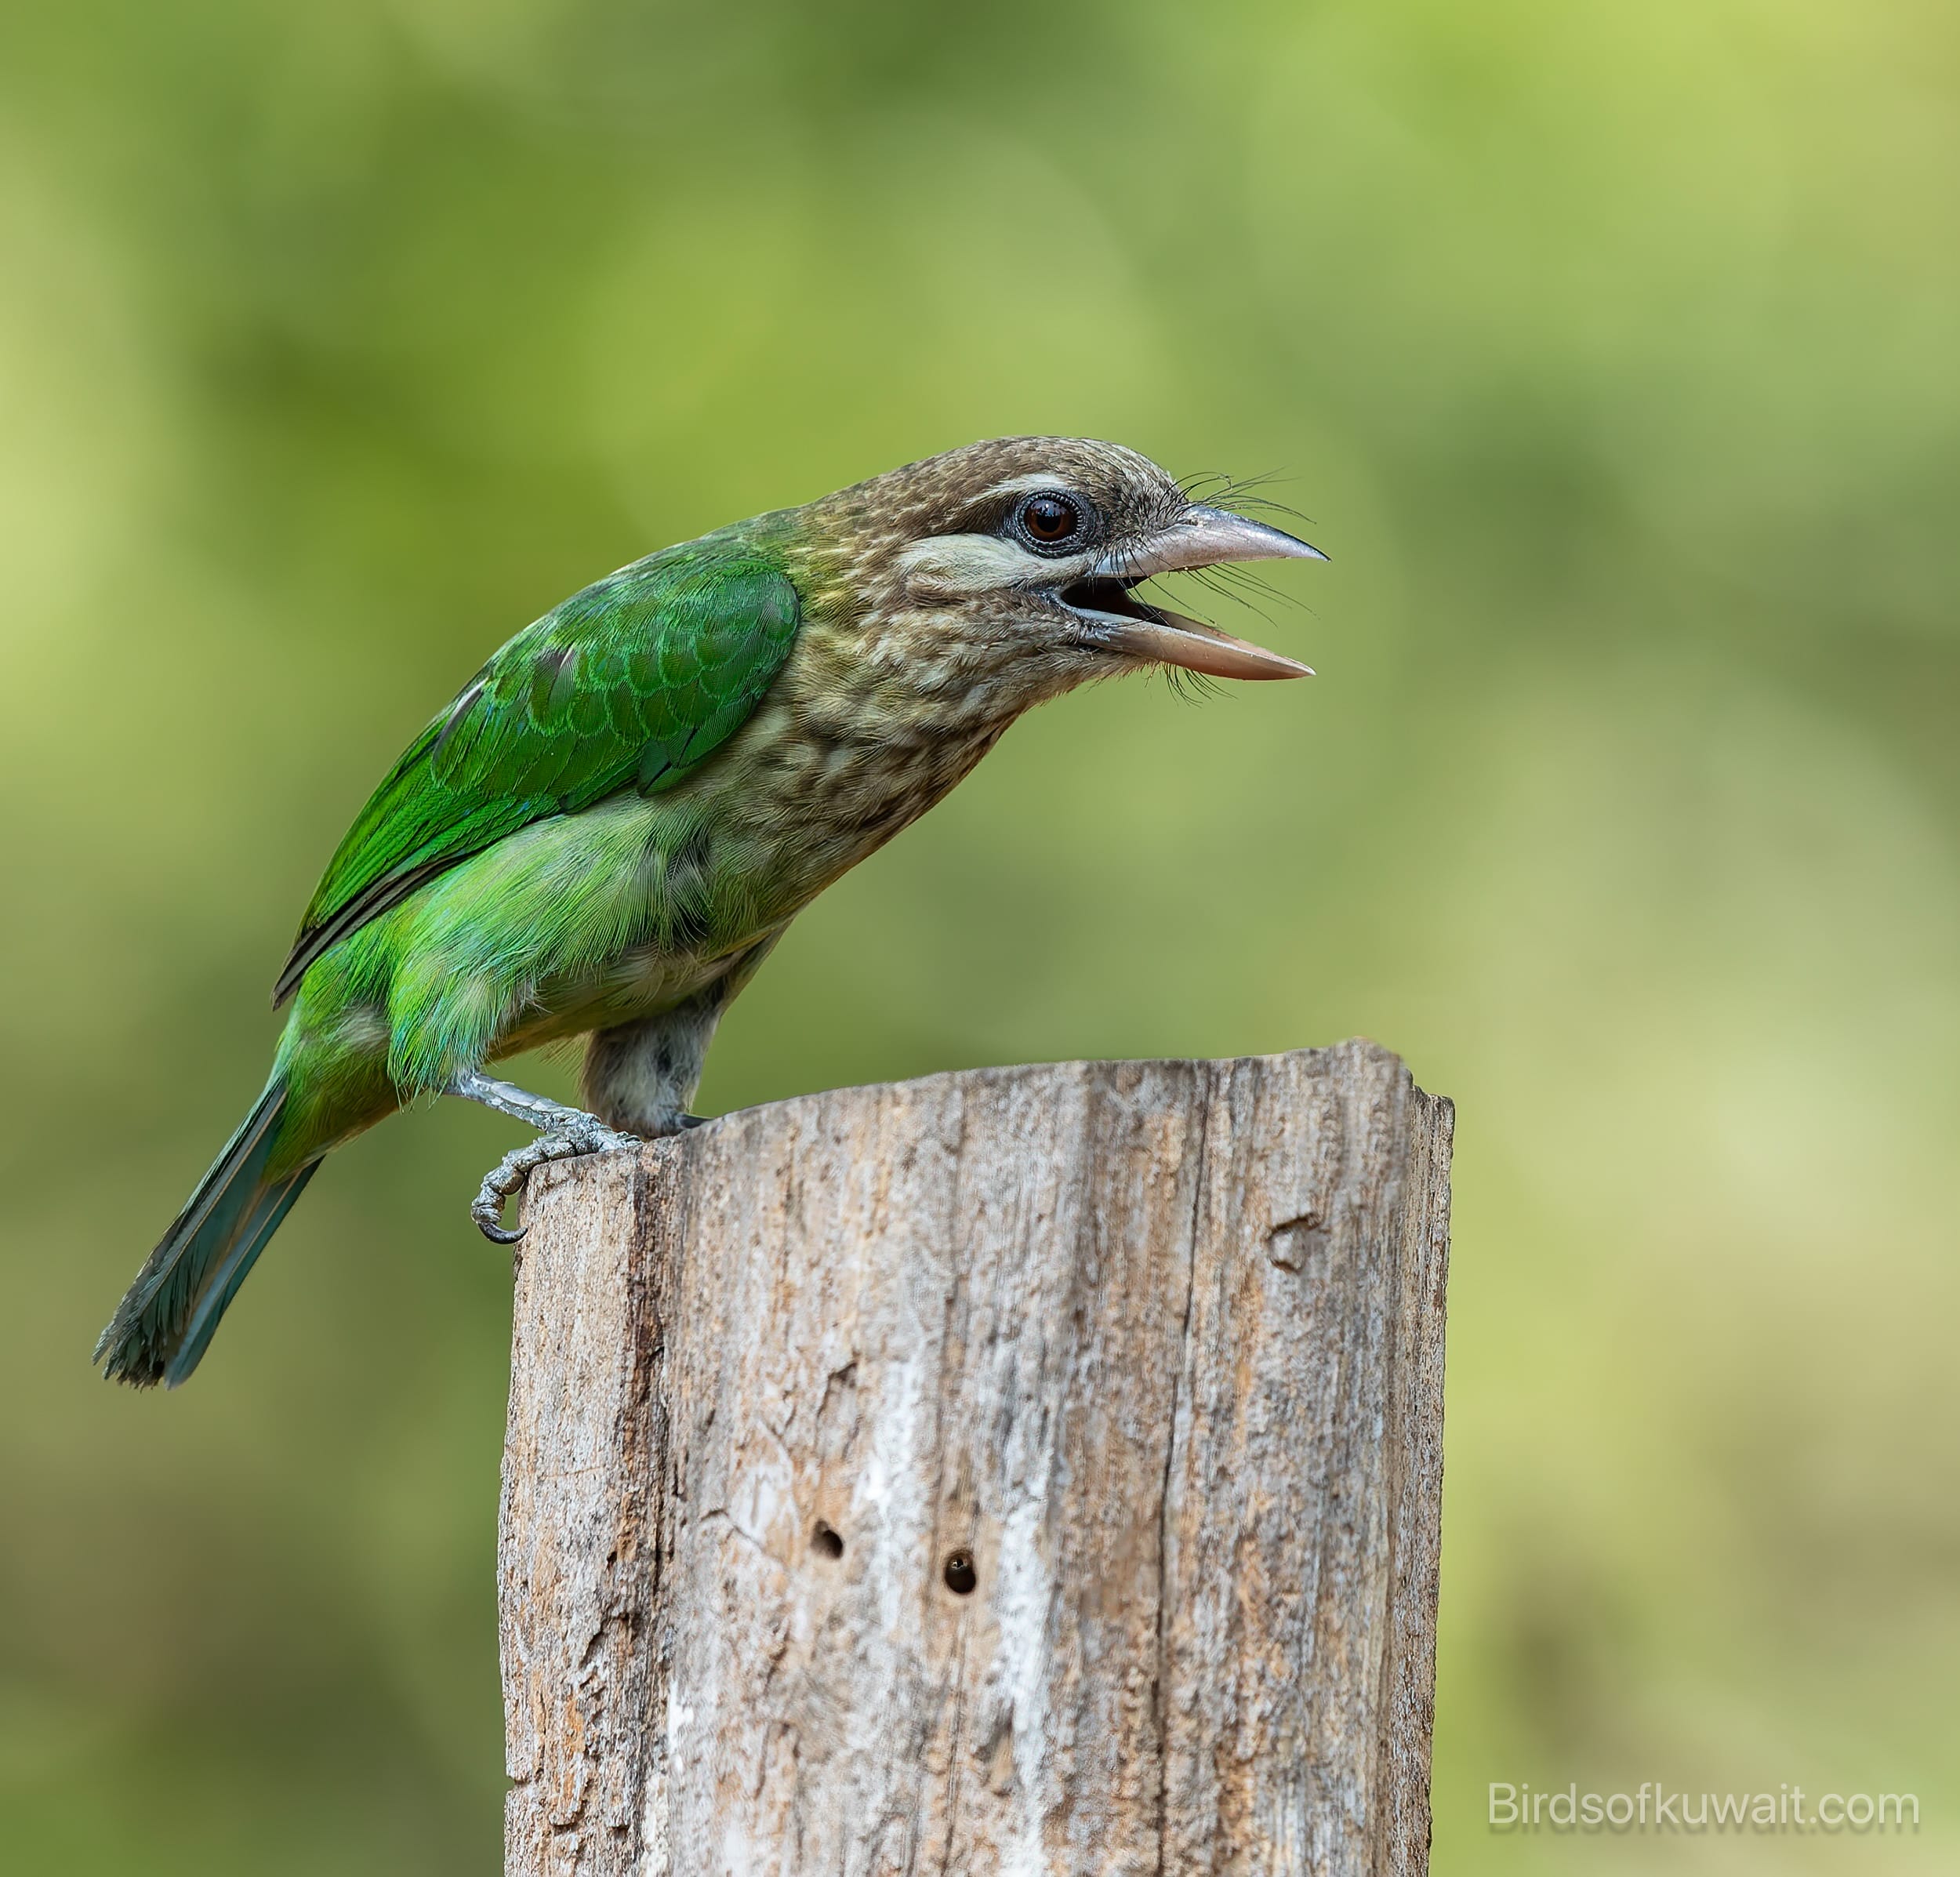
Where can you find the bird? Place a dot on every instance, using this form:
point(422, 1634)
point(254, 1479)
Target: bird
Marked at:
point(610, 827)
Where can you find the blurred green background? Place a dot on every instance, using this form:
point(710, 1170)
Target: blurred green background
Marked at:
point(1612, 353)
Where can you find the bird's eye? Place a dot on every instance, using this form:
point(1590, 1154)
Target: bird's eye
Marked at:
point(1050, 520)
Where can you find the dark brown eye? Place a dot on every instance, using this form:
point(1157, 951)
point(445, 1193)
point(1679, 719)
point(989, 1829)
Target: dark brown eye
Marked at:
point(1050, 520)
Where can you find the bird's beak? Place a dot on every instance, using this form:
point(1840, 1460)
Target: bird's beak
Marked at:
point(1198, 538)
point(1205, 537)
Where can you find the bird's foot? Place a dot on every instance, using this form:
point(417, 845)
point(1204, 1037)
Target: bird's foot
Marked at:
point(511, 1172)
point(566, 1133)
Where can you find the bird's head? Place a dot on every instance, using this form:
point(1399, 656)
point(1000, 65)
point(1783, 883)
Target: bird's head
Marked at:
point(1009, 567)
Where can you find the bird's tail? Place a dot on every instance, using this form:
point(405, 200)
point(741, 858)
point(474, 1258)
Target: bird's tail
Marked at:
point(164, 1324)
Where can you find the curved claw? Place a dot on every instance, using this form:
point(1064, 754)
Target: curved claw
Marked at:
point(587, 1135)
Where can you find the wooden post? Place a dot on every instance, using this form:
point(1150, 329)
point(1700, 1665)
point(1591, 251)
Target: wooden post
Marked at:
point(1025, 1471)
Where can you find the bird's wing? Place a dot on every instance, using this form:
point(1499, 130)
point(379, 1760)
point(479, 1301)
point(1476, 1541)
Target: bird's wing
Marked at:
point(631, 684)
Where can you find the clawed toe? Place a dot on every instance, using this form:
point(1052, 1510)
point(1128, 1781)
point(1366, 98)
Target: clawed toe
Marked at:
point(589, 1134)
point(583, 1136)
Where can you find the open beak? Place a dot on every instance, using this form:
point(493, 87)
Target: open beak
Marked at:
point(1200, 537)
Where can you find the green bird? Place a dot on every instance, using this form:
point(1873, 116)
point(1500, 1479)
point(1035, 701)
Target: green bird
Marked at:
point(612, 823)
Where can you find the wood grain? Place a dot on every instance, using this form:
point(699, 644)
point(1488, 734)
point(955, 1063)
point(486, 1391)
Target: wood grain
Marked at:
point(1156, 1346)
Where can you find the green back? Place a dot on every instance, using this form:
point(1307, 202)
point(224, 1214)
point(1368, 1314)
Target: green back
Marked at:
point(634, 682)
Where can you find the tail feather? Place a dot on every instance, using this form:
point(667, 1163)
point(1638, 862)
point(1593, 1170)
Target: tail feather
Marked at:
point(164, 1324)
point(236, 1267)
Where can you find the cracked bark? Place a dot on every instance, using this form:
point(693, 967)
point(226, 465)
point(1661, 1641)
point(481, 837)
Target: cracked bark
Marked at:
point(1159, 1344)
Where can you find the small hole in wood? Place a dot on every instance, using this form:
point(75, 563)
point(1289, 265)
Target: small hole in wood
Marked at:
point(959, 1574)
point(824, 1542)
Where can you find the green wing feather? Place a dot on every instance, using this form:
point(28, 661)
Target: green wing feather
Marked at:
point(634, 682)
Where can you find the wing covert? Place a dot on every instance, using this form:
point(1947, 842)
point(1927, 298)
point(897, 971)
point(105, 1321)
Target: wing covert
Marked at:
point(634, 682)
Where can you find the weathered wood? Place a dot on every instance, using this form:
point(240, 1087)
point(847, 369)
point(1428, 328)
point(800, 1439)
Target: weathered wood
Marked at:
point(1150, 1354)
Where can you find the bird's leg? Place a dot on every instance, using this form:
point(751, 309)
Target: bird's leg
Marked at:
point(563, 1133)
point(535, 1111)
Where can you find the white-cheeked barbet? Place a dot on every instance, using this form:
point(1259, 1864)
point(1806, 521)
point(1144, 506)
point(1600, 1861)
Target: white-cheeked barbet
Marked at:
point(611, 824)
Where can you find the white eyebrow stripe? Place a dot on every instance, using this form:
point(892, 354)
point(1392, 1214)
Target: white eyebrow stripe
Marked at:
point(1027, 484)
